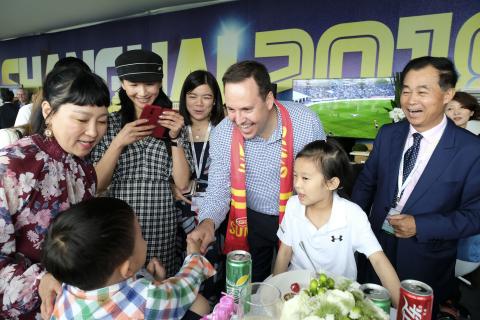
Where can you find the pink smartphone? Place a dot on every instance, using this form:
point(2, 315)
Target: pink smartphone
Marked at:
point(152, 112)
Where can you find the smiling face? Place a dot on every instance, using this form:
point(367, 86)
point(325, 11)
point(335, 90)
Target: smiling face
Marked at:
point(310, 184)
point(458, 113)
point(141, 93)
point(22, 96)
point(252, 114)
point(200, 102)
point(422, 99)
point(77, 129)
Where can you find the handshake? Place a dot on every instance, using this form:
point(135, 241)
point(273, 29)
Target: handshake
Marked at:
point(157, 270)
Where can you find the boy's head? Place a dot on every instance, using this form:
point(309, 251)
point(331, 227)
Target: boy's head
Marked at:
point(95, 243)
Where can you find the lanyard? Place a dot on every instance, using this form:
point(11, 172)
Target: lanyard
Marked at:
point(428, 147)
point(401, 186)
point(198, 164)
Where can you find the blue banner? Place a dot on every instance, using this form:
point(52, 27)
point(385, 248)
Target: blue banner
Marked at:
point(296, 40)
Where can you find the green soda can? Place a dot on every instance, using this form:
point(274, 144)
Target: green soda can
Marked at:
point(239, 272)
point(378, 295)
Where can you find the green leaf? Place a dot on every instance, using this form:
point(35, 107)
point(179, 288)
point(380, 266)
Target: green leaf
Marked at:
point(328, 308)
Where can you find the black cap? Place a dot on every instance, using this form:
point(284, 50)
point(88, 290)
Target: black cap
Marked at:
point(139, 66)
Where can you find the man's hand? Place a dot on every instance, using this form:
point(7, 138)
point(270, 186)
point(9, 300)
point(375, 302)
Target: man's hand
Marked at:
point(48, 289)
point(404, 225)
point(193, 246)
point(205, 233)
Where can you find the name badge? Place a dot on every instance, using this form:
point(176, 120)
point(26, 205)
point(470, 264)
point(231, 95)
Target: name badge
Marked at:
point(386, 226)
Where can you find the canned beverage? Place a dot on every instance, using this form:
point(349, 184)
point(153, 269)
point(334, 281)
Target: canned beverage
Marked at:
point(416, 301)
point(378, 295)
point(239, 272)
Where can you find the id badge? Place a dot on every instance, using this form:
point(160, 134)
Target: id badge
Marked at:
point(197, 201)
point(386, 226)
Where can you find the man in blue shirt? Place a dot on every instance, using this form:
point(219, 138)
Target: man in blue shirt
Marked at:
point(251, 108)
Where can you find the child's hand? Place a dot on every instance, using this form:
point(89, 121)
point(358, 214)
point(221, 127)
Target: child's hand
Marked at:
point(49, 288)
point(193, 246)
point(156, 269)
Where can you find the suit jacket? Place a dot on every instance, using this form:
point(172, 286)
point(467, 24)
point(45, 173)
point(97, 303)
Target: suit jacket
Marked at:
point(8, 114)
point(445, 202)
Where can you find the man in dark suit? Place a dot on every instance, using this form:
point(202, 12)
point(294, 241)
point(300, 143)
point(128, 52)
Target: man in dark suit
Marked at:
point(8, 111)
point(421, 183)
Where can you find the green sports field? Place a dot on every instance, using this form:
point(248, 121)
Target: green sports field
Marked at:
point(352, 118)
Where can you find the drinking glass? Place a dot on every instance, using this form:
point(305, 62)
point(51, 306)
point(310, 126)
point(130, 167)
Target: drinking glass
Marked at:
point(259, 301)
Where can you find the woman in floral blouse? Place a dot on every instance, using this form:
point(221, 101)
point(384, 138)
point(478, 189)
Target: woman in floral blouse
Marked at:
point(43, 174)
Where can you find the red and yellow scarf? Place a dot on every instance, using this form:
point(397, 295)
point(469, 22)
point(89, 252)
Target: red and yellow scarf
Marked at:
point(237, 228)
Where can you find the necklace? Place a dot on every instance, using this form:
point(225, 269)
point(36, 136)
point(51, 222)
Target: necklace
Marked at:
point(198, 132)
point(199, 164)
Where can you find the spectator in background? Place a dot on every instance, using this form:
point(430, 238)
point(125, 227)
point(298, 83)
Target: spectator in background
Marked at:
point(9, 110)
point(22, 97)
point(10, 135)
point(24, 113)
point(463, 108)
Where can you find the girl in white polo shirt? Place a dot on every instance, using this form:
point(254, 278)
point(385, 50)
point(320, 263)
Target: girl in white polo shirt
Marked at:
point(324, 229)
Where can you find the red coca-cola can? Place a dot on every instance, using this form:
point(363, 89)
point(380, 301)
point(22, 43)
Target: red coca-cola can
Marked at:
point(416, 301)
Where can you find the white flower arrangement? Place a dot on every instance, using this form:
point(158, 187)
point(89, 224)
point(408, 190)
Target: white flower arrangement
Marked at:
point(396, 114)
point(343, 301)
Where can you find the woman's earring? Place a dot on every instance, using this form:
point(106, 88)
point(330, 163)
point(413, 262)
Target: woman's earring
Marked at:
point(48, 132)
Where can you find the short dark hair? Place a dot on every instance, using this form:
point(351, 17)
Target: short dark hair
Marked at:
point(330, 159)
point(70, 85)
point(72, 62)
point(247, 69)
point(86, 242)
point(7, 95)
point(467, 101)
point(447, 75)
point(193, 80)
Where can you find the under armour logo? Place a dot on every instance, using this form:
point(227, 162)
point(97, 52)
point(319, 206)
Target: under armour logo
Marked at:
point(339, 238)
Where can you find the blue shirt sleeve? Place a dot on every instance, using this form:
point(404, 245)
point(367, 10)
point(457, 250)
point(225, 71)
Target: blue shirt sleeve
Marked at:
point(217, 199)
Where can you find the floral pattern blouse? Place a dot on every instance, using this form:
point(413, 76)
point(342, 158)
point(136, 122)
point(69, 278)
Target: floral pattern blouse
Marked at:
point(37, 181)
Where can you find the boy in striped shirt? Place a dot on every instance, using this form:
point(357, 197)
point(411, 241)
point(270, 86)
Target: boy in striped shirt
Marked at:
point(96, 247)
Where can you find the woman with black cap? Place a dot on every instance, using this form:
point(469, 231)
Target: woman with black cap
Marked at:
point(133, 166)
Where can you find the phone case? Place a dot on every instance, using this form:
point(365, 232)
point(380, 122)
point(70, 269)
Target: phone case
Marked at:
point(152, 112)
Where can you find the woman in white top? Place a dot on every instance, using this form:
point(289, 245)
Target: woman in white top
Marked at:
point(462, 108)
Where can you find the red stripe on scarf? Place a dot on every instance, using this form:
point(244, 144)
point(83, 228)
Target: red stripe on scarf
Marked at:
point(237, 228)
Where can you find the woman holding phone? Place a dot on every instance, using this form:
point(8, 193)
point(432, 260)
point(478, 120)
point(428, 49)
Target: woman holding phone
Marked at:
point(136, 167)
